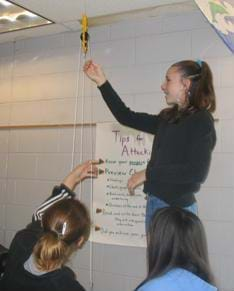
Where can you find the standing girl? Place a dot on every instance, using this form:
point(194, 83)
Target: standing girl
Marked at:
point(184, 134)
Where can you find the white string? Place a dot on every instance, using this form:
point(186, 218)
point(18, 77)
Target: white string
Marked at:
point(91, 180)
point(8, 136)
point(91, 188)
point(76, 105)
point(81, 146)
point(82, 125)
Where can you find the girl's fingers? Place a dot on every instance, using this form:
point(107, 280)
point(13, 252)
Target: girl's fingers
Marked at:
point(95, 162)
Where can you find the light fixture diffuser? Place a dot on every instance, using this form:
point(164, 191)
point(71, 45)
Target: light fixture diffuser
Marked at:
point(14, 17)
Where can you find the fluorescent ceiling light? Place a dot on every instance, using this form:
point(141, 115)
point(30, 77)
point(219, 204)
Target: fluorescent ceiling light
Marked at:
point(5, 3)
point(14, 17)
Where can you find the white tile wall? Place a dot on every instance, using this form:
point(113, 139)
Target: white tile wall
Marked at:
point(189, 21)
point(227, 281)
point(227, 71)
point(15, 222)
point(159, 48)
point(205, 43)
point(37, 141)
point(38, 86)
point(3, 191)
point(114, 53)
point(6, 66)
point(22, 165)
point(143, 102)
point(7, 50)
point(46, 86)
point(3, 165)
point(122, 30)
point(5, 85)
point(148, 26)
point(137, 79)
point(5, 111)
point(4, 134)
point(221, 171)
point(27, 192)
point(52, 166)
point(26, 113)
point(99, 34)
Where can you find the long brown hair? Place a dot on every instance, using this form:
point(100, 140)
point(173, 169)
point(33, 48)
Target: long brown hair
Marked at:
point(176, 239)
point(64, 224)
point(201, 94)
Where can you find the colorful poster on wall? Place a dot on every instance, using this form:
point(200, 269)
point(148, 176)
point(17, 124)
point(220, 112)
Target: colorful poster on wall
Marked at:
point(119, 218)
point(220, 13)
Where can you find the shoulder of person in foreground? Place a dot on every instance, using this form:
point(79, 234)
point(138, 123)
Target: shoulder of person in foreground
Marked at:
point(177, 280)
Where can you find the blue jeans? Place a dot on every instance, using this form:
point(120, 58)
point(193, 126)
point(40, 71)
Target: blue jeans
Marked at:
point(154, 203)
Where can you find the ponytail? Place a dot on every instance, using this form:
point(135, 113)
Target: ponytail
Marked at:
point(201, 94)
point(204, 95)
point(50, 252)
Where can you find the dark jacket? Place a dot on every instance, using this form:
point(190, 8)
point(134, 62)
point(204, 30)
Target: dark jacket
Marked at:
point(181, 152)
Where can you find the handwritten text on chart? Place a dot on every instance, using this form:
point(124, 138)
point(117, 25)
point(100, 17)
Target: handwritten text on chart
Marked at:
point(119, 217)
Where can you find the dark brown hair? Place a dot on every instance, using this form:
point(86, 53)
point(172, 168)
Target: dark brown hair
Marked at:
point(201, 94)
point(64, 224)
point(176, 239)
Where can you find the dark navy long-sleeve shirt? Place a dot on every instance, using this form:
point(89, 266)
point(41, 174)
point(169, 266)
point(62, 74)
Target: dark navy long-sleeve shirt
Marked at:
point(181, 152)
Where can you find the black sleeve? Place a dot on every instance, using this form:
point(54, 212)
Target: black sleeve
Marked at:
point(201, 145)
point(58, 193)
point(140, 121)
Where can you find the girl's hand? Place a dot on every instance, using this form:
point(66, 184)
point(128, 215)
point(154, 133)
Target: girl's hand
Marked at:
point(94, 72)
point(136, 180)
point(81, 172)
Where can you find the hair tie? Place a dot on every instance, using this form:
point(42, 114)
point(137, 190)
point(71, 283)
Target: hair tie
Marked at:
point(60, 234)
point(199, 62)
point(64, 228)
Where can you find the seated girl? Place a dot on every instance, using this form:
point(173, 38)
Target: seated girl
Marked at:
point(59, 227)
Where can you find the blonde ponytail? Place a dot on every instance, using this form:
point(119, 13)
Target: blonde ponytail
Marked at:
point(50, 251)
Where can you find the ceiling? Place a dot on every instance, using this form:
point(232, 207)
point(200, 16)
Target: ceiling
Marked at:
point(66, 14)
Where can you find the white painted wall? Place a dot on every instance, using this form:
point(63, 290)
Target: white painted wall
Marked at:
point(38, 86)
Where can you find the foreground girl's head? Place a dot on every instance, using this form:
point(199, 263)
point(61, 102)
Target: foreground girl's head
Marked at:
point(176, 238)
point(66, 226)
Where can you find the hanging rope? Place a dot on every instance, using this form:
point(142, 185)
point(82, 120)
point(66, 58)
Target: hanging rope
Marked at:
point(75, 116)
point(84, 48)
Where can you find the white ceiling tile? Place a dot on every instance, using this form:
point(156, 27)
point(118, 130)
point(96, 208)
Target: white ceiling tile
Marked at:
point(67, 13)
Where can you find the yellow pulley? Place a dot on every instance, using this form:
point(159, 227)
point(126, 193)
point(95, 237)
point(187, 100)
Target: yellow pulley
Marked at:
point(84, 34)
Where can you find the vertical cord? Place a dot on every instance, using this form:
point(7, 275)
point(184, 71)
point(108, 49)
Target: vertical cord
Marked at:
point(8, 140)
point(91, 187)
point(81, 148)
point(76, 105)
point(82, 126)
point(91, 180)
